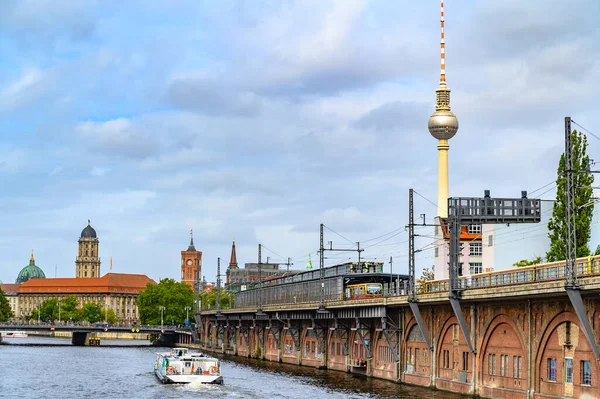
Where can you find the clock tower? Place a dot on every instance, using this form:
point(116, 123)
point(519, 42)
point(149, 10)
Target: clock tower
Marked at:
point(191, 264)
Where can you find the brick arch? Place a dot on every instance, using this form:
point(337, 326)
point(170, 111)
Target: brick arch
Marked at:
point(553, 324)
point(417, 354)
point(500, 381)
point(451, 321)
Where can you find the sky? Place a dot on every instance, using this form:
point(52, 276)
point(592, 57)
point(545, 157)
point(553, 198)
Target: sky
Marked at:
point(259, 120)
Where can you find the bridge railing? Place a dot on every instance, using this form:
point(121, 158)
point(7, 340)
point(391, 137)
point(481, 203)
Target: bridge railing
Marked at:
point(537, 273)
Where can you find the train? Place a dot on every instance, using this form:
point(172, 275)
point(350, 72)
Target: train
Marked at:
point(585, 266)
point(347, 281)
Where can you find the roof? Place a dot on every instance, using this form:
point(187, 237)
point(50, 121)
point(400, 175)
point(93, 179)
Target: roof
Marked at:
point(110, 282)
point(9, 288)
point(88, 232)
point(31, 271)
point(233, 260)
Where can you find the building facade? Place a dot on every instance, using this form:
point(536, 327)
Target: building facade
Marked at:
point(115, 291)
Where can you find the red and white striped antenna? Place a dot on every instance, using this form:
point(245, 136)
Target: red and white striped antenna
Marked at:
point(442, 47)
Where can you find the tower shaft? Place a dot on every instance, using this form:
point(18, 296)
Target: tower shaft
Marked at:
point(442, 202)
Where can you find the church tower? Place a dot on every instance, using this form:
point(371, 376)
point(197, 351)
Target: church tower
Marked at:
point(87, 263)
point(232, 262)
point(191, 264)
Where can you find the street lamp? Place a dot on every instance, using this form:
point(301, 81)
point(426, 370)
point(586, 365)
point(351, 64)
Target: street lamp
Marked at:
point(39, 306)
point(106, 312)
point(58, 312)
point(187, 309)
point(162, 308)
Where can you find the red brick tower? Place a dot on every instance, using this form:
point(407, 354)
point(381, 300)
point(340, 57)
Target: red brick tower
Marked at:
point(191, 264)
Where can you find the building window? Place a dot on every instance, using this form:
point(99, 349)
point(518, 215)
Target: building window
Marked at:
point(491, 364)
point(517, 366)
point(424, 357)
point(475, 249)
point(552, 369)
point(465, 361)
point(446, 359)
point(491, 240)
point(569, 370)
point(474, 229)
point(476, 267)
point(504, 365)
point(437, 252)
point(416, 357)
point(586, 372)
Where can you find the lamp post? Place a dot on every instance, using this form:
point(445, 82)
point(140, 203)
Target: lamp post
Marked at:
point(187, 309)
point(162, 309)
point(106, 312)
point(58, 312)
point(39, 306)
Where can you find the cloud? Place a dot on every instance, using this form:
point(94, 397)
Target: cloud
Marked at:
point(118, 137)
point(210, 98)
point(29, 87)
point(44, 21)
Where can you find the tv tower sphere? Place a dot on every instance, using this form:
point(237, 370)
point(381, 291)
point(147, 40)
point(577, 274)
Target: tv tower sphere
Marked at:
point(443, 124)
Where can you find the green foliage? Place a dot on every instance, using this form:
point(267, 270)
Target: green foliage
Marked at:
point(525, 262)
point(428, 275)
point(92, 312)
point(5, 311)
point(172, 295)
point(597, 250)
point(208, 300)
point(583, 195)
point(111, 317)
point(68, 309)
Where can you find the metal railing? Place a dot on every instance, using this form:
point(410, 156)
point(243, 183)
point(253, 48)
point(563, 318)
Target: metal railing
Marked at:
point(589, 266)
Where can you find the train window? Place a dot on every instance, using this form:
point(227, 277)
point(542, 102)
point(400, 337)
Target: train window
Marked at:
point(374, 289)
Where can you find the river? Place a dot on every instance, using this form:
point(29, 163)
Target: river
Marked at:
point(66, 371)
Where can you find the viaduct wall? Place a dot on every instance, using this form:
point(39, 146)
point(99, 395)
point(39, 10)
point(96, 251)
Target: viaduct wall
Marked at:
point(529, 342)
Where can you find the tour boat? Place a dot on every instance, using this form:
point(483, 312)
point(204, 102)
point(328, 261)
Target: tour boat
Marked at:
point(181, 366)
point(13, 334)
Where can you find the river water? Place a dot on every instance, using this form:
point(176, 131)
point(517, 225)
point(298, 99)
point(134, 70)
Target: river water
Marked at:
point(65, 371)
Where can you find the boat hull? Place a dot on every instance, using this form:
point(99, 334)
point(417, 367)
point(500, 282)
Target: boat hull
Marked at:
point(188, 378)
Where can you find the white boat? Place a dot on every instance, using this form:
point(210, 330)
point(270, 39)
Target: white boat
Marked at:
point(181, 366)
point(13, 334)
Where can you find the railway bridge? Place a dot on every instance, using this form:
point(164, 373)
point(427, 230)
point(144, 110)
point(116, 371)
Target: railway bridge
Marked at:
point(518, 334)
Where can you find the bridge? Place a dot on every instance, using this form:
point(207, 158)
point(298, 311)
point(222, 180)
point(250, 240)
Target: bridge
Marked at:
point(166, 335)
point(524, 337)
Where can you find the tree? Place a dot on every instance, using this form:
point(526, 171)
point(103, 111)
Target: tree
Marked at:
point(68, 309)
point(5, 310)
point(428, 275)
point(525, 262)
point(209, 299)
point(46, 310)
point(172, 295)
point(111, 317)
point(583, 196)
point(597, 250)
point(92, 312)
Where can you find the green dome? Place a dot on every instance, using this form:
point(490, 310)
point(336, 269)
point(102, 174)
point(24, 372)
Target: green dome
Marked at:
point(30, 271)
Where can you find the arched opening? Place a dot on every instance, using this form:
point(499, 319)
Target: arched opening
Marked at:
point(503, 359)
point(416, 353)
point(565, 364)
point(454, 359)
